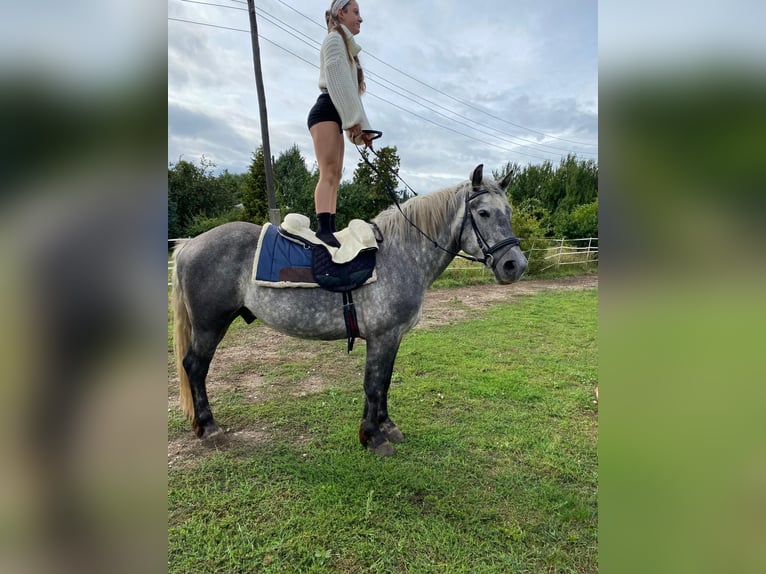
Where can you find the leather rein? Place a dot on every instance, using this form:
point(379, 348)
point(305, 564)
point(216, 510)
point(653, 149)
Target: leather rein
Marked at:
point(488, 251)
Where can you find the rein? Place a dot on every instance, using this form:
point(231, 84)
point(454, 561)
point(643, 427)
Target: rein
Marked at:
point(487, 250)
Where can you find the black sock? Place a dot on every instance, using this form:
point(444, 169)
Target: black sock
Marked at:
point(325, 229)
point(332, 223)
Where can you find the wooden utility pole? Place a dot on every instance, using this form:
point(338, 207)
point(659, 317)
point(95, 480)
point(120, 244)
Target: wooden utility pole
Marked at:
point(274, 214)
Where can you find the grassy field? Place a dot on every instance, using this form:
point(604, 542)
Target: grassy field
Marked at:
point(498, 472)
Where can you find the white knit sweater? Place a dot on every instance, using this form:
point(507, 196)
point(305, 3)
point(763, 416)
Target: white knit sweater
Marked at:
point(337, 75)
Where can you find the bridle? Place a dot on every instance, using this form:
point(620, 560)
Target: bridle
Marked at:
point(488, 251)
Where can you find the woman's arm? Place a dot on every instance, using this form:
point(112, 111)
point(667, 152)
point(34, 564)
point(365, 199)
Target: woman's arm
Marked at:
point(342, 84)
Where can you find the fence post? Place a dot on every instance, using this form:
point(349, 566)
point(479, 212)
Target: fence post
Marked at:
point(558, 255)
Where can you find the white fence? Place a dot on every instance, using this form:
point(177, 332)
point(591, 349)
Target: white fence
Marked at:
point(568, 252)
point(550, 253)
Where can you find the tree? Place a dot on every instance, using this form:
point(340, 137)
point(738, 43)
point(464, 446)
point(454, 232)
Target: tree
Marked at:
point(579, 181)
point(579, 223)
point(530, 182)
point(371, 189)
point(294, 184)
point(194, 192)
point(533, 207)
point(233, 184)
point(173, 226)
point(254, 193)
point(553, 195)
point(352, 203)
point(499, 174)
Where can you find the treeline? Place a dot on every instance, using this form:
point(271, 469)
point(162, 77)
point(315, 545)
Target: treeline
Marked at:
point(554, 202)
point(198, 200)
point(548, 201)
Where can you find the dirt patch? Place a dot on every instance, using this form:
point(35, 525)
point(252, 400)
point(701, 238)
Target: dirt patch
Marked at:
point(445, 306)
point(188, 451)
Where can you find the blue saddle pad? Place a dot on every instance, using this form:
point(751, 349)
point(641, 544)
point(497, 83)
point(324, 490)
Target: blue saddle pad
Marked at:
point(283, 261)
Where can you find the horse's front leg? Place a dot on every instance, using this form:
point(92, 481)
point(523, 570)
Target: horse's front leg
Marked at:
point(377, 430)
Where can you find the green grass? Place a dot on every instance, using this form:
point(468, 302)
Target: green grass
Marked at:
point(498, 472)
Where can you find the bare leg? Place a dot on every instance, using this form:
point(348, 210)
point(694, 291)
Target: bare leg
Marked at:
point(328, 147)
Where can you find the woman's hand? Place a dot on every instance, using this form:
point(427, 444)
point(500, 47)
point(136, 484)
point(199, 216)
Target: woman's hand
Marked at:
point(355, 134)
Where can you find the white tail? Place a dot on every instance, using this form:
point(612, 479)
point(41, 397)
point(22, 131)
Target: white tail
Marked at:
point(181, 339)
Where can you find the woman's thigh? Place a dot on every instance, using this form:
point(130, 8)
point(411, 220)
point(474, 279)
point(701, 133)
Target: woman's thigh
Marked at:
point(328, 146)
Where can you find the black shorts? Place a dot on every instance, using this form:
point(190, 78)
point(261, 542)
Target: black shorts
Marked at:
point(324, 111)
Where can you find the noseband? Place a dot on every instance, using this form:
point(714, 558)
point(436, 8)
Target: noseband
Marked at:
point(487, 250)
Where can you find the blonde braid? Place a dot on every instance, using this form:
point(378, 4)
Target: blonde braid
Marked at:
point(333, 24)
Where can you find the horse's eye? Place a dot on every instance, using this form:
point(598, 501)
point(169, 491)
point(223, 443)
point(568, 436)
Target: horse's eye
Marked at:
point(483, 213)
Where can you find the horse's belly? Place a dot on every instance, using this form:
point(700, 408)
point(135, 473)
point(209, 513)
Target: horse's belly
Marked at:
point(299, 312)
point(318, 314)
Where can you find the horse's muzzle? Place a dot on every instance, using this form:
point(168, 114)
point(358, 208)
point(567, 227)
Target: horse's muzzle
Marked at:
point(510, 266)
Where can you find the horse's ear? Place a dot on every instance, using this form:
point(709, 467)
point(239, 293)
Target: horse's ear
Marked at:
point(506, 181)
point(477, 176)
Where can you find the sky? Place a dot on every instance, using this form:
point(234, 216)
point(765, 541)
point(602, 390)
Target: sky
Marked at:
point(450, 84)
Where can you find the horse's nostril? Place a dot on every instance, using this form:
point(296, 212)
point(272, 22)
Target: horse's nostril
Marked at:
point(509, 265)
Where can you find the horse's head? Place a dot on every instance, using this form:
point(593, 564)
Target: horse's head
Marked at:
point(486, 231)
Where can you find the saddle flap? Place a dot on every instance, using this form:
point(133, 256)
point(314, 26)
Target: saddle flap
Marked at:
point(342, 277)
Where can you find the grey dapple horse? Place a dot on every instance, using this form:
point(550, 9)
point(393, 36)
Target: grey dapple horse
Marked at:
point(212, 286)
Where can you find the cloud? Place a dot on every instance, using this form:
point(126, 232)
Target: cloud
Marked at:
point(450, 86)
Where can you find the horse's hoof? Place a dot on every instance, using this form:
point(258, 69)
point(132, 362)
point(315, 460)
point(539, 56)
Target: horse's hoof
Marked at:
point(211, 432)
point(392, 432)
point(383, 449)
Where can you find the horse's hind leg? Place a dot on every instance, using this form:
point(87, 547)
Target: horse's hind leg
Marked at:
point(197, 363)
point(197, 366)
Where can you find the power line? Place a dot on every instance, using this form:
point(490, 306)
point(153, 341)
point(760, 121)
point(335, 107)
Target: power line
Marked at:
point(262, 37)
point(418, 97)
point(528, 143)
point(476, 108)
point(314, 65)
point(309, 18)
point(473, 123)
point(463, 102)
point(216, 5)
point(454, 130)
point(270, 18)
point(209, 25)
point(281, 24)
point(467, 104)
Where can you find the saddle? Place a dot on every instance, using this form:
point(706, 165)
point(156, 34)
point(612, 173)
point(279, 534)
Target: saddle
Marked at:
point(292, 256)
point(354, 240)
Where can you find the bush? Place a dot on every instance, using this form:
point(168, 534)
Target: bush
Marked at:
point(528, 229)
point(201, 223)
point(581, 222)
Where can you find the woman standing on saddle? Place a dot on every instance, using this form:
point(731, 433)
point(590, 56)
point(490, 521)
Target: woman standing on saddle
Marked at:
point(339, 107)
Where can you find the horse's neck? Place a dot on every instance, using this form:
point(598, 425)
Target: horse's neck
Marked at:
point(428, 260)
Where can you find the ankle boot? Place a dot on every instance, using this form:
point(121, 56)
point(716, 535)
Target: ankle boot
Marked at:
point(325, 229)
